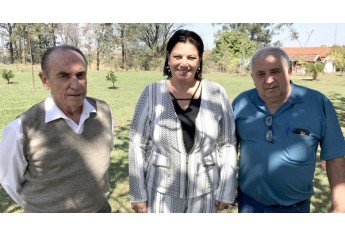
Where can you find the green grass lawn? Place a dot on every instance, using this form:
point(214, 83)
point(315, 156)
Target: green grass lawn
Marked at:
point(18, 96)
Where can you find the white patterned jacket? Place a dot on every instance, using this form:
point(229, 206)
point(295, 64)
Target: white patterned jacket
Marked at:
point(157, 155)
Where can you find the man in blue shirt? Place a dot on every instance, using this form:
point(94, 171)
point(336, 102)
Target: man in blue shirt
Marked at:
point(280, 126)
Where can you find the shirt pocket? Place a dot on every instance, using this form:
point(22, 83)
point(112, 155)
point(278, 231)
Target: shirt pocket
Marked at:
point(301, 148)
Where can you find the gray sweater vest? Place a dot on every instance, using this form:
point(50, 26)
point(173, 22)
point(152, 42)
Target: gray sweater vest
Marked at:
point(66, 172)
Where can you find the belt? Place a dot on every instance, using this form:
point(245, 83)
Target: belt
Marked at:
point(293, 205)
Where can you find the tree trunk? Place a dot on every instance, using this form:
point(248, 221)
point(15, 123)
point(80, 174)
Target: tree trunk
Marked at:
point(32, 61)
point(314, 75)
point(23, 52)
point(97, 60)
point(10, 43)
point(123, 50)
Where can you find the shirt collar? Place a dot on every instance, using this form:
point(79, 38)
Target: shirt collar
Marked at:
point(53, 112)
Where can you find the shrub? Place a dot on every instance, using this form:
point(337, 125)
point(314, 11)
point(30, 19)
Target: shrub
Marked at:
point(7, 75)
point(314, 68)
point(112, 77)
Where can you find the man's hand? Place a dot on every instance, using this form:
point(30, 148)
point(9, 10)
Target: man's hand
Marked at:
point(139, 207)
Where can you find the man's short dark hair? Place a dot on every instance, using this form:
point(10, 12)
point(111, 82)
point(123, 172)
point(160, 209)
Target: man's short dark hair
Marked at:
point(64, 47)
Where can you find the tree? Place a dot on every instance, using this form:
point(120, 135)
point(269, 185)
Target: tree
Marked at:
point(7, 75)
point(32, 60)
point(314, 68)
point(37, 36)
point(261, 33)
point(294, 35)
point(69, 34)
point(112, 77)
point(122, 28)
point(8, 28)
point(155, 37)
point(102, 38)
point(337, 55)
point(129, 43)
point(232, 50)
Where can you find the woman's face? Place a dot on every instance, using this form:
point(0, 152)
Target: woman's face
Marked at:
point(184, 61)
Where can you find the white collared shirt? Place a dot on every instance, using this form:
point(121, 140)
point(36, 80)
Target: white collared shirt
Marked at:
point(12, 160)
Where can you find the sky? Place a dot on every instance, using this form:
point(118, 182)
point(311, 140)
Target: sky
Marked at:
point(326, 20)
point(319, 34)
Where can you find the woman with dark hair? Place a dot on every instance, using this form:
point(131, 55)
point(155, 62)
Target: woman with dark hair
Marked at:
point(182, 155)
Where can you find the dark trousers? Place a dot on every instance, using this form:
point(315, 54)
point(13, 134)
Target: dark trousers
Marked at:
point(105, 209)
point(246, 204)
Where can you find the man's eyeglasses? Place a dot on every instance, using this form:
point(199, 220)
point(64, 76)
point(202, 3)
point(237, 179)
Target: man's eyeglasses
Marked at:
point(269, 132)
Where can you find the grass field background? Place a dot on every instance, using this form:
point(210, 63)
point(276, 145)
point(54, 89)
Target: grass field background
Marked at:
point(20, 95)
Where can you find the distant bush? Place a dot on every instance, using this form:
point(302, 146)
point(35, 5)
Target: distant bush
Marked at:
point(7, 75)
point(314, 68)
point(112, 77)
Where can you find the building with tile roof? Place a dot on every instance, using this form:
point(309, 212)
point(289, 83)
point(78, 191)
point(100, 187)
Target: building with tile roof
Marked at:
point(309, 54)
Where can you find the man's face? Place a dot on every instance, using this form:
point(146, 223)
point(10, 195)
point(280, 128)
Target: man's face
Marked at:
point(66, 78)
point(271, 78)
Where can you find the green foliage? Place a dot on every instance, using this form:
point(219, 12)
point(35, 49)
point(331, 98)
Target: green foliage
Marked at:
point(112, 77)
point(314, 68)
point(147, 60)
point(261, 33)
point(337, 55)
point(7, 75)
point(232, 51)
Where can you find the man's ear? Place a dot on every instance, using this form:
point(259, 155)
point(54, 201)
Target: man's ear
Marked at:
point(44, 80)
point(290, 70)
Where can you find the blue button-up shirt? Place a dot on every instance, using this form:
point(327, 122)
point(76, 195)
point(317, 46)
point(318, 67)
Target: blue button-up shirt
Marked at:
point(281, 172)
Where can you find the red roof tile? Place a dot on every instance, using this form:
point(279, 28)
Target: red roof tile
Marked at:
point(312, 51)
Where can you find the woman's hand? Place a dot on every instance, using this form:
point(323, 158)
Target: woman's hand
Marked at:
point(221, 205)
